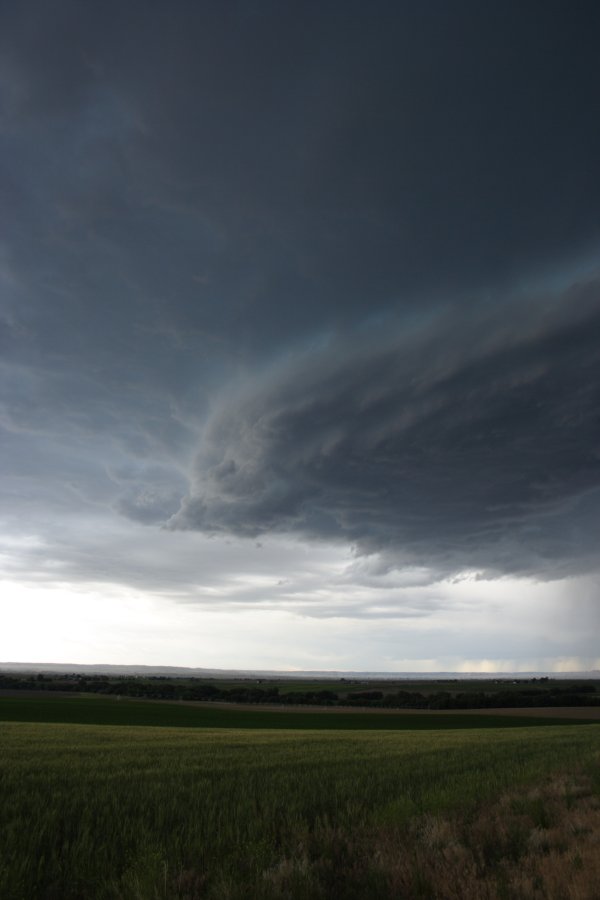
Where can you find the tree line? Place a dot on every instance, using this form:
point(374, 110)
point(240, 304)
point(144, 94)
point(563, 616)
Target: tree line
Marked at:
point(160, 688)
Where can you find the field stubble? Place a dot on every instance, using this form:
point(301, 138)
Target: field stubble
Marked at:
point(117, 812)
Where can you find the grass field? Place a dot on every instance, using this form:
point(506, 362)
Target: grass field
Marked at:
point(94, 811)
point(97, 710)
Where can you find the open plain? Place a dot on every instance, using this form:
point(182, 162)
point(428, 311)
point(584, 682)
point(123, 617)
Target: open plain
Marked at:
point(292, 804)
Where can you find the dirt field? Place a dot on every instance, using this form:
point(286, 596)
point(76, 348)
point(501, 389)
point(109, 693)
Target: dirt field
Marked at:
point(559, 712)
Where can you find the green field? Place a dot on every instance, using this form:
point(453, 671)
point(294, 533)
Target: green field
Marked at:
point(122, 811)
point(97, 710)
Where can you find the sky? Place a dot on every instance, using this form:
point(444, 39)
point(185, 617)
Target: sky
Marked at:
point(300, 334)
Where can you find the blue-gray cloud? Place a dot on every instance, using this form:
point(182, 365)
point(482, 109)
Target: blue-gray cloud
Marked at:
point(472, 443)
point(314, 268)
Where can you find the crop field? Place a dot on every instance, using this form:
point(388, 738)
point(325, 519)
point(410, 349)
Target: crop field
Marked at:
point(95, 710)
point(102, 811)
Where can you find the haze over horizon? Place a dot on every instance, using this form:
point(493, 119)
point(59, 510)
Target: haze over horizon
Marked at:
point(300, 334)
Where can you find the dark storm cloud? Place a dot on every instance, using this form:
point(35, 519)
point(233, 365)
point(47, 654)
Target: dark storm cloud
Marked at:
point(472, 443)
point(335, 206)
point(268, 169)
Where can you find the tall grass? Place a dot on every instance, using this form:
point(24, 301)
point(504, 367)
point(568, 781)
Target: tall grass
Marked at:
point(131, 812)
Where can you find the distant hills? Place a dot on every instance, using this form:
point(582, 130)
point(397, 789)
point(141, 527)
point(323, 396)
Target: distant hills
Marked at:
point(186, 672)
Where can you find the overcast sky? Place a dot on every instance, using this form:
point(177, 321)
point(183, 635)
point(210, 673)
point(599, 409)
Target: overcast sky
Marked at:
point(300, 333)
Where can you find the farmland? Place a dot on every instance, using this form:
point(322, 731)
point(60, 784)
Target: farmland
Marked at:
point(111, 711)
point(254, 807)
point(392, 693)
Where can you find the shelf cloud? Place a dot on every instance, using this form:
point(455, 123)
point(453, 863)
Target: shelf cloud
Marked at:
point(314, 276)
point(473, 441)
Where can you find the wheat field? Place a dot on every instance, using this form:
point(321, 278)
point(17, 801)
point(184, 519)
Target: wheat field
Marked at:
point(142, 812)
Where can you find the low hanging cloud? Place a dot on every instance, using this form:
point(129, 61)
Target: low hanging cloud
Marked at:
point(462, 444)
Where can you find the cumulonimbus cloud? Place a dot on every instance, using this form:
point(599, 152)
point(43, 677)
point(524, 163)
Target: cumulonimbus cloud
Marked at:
point(475, 447)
